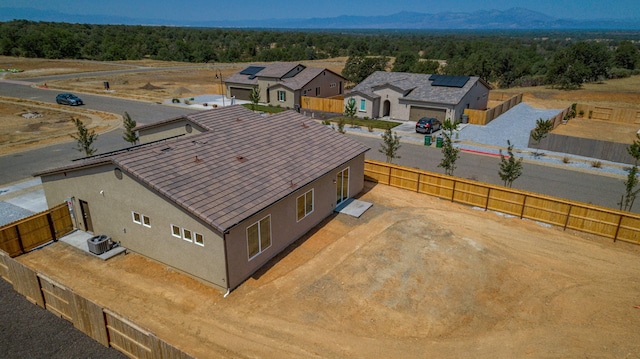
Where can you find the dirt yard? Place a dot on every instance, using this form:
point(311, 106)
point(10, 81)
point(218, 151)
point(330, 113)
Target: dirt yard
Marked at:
point(414, 277)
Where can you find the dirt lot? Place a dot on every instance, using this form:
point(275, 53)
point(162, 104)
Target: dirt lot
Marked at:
point(413, 277)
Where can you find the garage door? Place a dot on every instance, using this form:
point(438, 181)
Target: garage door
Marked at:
point(417, 113)
point(240, 93)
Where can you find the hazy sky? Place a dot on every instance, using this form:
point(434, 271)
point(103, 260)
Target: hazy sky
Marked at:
point(263, 9)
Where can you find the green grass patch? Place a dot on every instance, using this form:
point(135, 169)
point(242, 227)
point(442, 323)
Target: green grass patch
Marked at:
point(262, 108)
point(353, 122)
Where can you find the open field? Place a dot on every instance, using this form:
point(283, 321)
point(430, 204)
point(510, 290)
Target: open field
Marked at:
point(414, 277)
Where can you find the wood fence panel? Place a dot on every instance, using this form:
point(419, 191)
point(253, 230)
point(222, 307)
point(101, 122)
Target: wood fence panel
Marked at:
point(88, 317)
point(61, 218)
point(546, 210)
point(4, 267)
point(593, 220)
point(437, 186)
point(10, 241)
point(470, 194)
point(25, 281)
point(162, 349)
point(403, 178)
point(505, 201)
point(127, 337)
point(322, 104)
point(57, 298)
point(629, 230)
point(35, 232)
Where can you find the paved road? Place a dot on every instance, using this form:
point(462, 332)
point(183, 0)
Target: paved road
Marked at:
point(18, 166)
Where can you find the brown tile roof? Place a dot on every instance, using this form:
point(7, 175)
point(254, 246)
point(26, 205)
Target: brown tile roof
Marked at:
point(242, 165)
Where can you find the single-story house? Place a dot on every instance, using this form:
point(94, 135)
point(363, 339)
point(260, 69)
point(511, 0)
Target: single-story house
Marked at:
point(224, 192)
point(283, 83)
point(409, 97)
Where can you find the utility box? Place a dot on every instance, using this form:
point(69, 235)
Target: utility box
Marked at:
point(98, 244)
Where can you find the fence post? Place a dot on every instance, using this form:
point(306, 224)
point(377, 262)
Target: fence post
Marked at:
point(615, 237)
point(524, 204)
point(566, 223)
point(20, 240)
point(486, 203)
point(453, 190)
point(52, 228)
point(389, 181)
point(418, 183)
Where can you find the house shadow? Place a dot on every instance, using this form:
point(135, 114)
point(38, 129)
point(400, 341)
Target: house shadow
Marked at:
point(368, 186)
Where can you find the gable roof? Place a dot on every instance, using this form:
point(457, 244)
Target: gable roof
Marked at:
point(416, 87)
point(278, 70)
point(242, 165)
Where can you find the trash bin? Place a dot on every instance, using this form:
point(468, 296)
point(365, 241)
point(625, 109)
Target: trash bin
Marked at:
point(439, 142)
point(465, 118)
point(427, 140)
point(106, 85)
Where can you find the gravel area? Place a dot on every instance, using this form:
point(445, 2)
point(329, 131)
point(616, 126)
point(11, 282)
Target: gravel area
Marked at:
point(10, 213)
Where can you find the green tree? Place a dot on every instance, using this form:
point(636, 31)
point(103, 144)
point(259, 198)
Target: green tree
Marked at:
point(84, 137)
point(626, 202)
point(358, 68)
point(350, 108)
point(510, 168)
point(450, 154)
point(390, 145)
point(626, 56)
point(254, 97)
point(405, 62)
point(542, 129)
point(129, 124)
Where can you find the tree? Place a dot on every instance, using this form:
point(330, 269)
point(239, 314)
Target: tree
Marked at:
point(626, 202)
point(84, 137)
point(350, 108)
point(405, 62)
point(129, 124)
point(358, 68)
point(390, 145)
point(627, 56)
point(254, 97)
point(449, 152)
point(510, 168)
point(542, 129)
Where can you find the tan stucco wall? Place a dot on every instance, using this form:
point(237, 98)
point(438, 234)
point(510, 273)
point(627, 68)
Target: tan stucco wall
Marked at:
point(290, 97)
point(111, 202)
point(324, 81)
point(284, 226)
point(167, 130)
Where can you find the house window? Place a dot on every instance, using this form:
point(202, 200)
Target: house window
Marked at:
point(304, 205)
point(175, 231)
point(187, 235)
point(332, 85)
point(259, 237)
point(317, 91)
point(141, 219)
point(363, 105)
point(282, 96)
point(198, 239)
point(137, 218)
point(146, 221)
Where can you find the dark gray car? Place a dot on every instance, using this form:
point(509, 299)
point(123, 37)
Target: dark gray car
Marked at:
point(428, 125)
point(68, 99)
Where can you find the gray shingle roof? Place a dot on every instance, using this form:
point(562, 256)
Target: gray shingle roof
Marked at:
point(278, 70)
point(418, 87)
point(242, 165)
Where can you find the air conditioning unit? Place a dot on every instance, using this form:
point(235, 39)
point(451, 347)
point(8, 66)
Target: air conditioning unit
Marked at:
point(99, 244)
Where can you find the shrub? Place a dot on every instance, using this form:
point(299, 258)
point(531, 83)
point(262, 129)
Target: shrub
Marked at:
point(370, 128)
point(175, 100)
point(581, 113)
point(187, 102)
point(566, 159)
point(596, 164)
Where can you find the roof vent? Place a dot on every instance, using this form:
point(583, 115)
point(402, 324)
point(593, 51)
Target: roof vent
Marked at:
point(304, 125)
point(197, 160)
point(241, 159)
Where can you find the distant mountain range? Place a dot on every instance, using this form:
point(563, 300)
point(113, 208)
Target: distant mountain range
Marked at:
point(512, 19)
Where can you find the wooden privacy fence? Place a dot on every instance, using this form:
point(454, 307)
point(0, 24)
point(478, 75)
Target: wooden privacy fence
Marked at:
point(483, 117)
point(101, 324)
point(613, 114)
point(322, 104)
point(610, 223)
point(26, 234)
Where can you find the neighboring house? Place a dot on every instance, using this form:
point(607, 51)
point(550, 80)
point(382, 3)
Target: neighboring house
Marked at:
point(409, 97)
point(283, 83)
point(228, 190)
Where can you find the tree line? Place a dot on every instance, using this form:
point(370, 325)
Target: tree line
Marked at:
point(504, 59)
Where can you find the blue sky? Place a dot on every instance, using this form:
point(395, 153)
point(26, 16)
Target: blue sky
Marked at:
point(196, 10)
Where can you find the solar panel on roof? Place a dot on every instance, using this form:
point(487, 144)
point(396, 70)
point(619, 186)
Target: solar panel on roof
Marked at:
point(252, 70)
point(448, 81)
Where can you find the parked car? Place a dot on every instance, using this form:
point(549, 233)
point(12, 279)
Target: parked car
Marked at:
point(68, 99)
point(428, 125)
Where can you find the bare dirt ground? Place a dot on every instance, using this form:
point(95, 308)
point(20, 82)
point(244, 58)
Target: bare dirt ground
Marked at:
point(413, 277)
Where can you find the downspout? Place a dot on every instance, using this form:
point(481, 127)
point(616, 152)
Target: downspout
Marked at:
point(226, 262)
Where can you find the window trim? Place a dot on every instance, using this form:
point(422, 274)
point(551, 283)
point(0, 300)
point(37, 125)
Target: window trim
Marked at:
point(282, 96)
point(363, 105)
point(304, 196)
point(184, 235)
point(133, 217)
point(173, 227)
point(146, 221)
point(195, 239)
point(260, 249)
